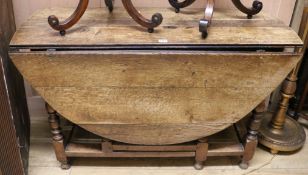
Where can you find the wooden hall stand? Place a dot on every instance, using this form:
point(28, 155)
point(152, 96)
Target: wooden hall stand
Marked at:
point(161, 95)
point(157, 18)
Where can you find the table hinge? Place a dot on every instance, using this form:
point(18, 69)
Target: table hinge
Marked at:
point(51, 50)
point(24, 50)
point(261, 50)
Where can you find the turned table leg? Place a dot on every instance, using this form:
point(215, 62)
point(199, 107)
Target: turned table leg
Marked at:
point(252, 136)
point(201, 153)
point(57, 137)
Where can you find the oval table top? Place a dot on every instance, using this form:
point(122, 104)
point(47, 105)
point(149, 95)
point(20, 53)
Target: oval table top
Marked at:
point(119, 82)
point(146, 98)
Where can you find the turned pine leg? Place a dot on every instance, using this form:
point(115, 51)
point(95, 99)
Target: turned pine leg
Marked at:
point(252, 136)
point(57, 137)
point(201, 154)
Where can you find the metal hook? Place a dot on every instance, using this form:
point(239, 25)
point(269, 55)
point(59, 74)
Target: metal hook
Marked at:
point(69, 22)
point(109, 4)
point(156, 20)
point(206, 21)
point(257, 6)
point(178, 5)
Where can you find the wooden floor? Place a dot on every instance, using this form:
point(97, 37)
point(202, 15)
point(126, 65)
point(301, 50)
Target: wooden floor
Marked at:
point(43, 161)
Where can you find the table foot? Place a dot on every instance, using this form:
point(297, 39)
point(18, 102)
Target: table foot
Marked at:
point(65, 166)
point(244, 165)
point(201, 153)
point(198, 165)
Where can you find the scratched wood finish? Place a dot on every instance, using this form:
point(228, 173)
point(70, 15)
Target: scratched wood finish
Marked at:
point(154, 97)
point(102, 28)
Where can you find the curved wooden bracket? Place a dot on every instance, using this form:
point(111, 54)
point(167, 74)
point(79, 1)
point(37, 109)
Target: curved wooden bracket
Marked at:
point(178, 5)
point(109, 4)
point(156, 20)
point(206, 21)
point(69, 22)
point(257, 6)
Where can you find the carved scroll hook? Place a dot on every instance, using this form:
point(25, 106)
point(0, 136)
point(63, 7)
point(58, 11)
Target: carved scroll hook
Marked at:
point(69, 22)
point(257, 6)
point(206, 21)
point(178, 5)
point(156, 20)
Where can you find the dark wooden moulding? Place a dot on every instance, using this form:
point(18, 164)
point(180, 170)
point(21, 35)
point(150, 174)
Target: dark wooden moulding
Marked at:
point(243, 145)
point(157, 18)
point(14, 115)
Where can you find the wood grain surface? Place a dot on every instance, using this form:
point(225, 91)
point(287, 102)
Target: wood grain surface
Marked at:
point(153, 97)
point(102, 28)
point(148, 97)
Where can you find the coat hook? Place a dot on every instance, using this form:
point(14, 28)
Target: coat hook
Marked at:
point(178, 5)
point(109, 4)
point(150, 24)
point(69, 22)
point(257, 6)
point(206, 21)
